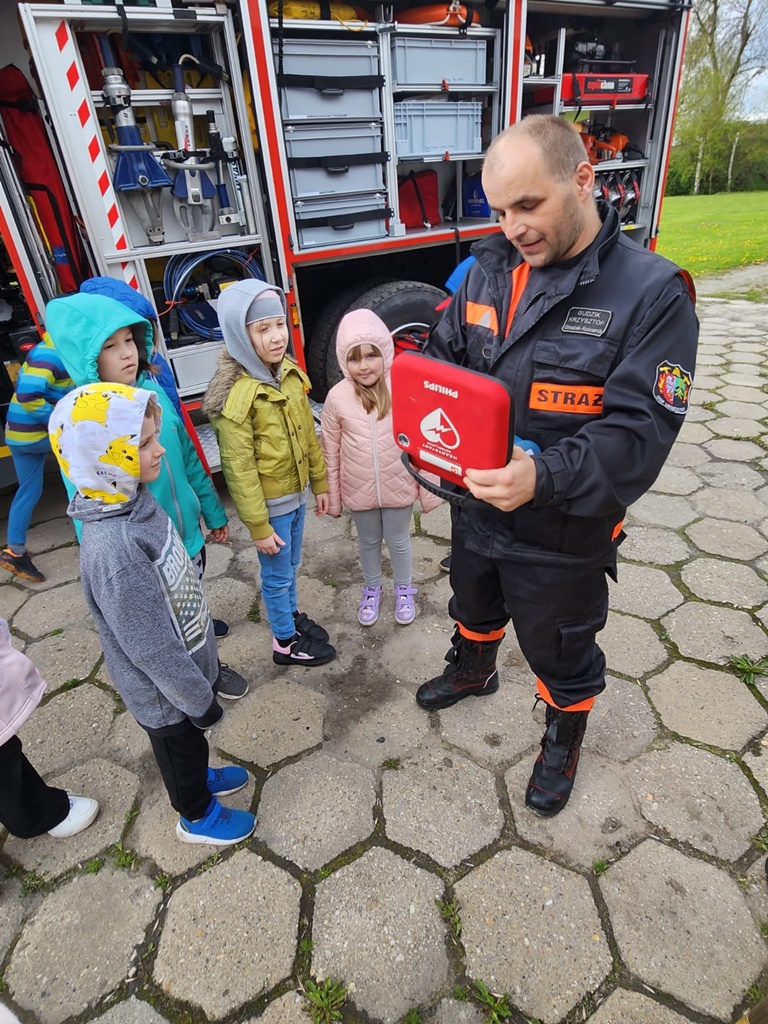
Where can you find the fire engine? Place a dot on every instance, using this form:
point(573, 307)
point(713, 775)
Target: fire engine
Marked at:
point(332, 148)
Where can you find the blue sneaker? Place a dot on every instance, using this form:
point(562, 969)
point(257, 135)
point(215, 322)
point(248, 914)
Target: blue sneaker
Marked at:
point(223, 781)
point(221, 826)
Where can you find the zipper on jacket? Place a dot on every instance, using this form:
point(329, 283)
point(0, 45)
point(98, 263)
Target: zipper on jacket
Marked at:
point(375, 447)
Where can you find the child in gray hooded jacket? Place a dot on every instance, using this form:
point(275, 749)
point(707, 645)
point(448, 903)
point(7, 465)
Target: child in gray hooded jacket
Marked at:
point(146, 599)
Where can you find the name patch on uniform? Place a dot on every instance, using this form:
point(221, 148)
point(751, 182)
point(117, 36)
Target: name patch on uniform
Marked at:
point(581, 320)
point(672, 387)
point(576, 398)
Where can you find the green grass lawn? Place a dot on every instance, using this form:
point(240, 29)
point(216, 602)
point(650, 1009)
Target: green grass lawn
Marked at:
point(706, 234)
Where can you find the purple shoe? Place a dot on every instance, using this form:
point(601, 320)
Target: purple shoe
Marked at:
point(405, 609)
point(368, 609)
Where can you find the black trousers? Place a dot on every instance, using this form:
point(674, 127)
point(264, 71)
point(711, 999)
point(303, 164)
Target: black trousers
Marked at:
point(182, 757)
point(556, 613)
point(28, 806)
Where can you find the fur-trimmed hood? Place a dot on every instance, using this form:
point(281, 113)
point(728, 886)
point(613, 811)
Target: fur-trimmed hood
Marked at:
point(227, 372)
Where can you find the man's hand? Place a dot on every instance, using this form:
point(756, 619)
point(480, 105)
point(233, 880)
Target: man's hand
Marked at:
point(321, 504)
point(270, 545)
point(220, 535)
point(507, 488)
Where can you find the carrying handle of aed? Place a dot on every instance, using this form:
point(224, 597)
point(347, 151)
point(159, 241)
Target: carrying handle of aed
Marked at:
point(463, 497)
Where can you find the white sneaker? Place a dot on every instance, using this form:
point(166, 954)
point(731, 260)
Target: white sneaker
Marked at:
point(82, 813)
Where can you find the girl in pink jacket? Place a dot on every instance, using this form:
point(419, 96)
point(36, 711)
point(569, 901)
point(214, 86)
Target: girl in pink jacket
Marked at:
point(364, 469)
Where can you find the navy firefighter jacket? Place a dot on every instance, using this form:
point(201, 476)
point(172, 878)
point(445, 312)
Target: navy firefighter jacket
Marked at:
point(599, 356)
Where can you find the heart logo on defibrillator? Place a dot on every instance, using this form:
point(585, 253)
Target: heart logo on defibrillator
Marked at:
point(438, 429)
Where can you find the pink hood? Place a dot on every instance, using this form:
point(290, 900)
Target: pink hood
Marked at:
point(363, 327)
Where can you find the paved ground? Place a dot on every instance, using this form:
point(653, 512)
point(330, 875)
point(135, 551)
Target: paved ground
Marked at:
point(393, 849)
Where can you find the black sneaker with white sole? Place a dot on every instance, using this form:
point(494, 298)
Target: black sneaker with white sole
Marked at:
point(230, 684)
point(220, 629)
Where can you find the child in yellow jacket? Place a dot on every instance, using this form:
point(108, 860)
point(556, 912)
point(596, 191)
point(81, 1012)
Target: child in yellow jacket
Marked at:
point(257, 403)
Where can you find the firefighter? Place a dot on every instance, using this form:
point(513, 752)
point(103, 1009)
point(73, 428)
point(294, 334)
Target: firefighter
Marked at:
point(596, 339)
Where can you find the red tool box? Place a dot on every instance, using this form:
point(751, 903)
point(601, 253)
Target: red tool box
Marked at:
point(579, 88)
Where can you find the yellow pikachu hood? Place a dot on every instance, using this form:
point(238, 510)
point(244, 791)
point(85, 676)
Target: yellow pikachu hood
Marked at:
point(95, 432)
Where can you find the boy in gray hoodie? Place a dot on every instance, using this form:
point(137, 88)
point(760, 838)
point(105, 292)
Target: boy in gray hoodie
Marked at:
point(146, 599)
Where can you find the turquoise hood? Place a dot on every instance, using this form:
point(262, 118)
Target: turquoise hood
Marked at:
point(80, 324)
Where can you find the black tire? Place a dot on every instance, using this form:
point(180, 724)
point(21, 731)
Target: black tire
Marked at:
point(400, 304)
point(322, 343)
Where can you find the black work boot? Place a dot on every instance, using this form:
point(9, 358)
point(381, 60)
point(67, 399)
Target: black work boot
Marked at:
point(550, 785)
point(471, 672)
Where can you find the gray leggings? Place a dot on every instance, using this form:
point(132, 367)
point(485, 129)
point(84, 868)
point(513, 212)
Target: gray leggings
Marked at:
point(392, 525)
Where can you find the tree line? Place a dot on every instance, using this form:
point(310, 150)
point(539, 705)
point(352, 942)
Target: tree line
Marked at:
point(717, 149)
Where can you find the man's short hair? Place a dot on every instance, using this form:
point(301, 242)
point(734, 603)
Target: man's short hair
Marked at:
point(559, 140)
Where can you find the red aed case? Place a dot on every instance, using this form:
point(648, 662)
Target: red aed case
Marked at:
point(448, 419)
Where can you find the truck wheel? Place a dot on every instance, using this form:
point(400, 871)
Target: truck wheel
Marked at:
point(322, 343)
point(400, 304)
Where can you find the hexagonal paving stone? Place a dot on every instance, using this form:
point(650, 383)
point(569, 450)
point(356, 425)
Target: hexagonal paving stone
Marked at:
point(600, 820)
point(738, 505)
point(114, 788)
point(153, 831)
point(730, 582)
point(453, 1011)
point(695, 433)
point(497, 728)
point(376, 726)
point(727, 426)
point(54, 609)
point(311, 811)
point(288, 1009)
point(16, 906)
point(647, 593)
point(442, 804)
point(731, 474)
point(70, 655)
point(675, 480)
point(662, 510)
point(84, 945)
point(706, 705)
point(664, 909)
point(58, 566)
point(731, 540)
point(69, 728)
point(742, 410)
point(631, 647)
point(11, 599)
point(530, 928)
point(229, 934)
point(131, 1011)
point(54, 533)
point(654, 545)
point(621, 723)
point(698, 798)
point(228, 599)
point(687, 455)
point(376, 926)
point(634, 1008)
point(410, 656)
point(709, 633)
point(738, 451)
point(275, 721)
point(218, 559)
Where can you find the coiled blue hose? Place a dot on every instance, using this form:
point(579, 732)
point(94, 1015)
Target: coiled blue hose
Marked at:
point(178, 271)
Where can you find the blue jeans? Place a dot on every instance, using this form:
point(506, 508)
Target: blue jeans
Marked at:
point(29, 463)
point(278, 573)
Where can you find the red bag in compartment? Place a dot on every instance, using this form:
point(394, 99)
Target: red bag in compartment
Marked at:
point(419, 200)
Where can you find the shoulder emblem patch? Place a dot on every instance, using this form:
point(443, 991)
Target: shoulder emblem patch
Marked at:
point(672, 387)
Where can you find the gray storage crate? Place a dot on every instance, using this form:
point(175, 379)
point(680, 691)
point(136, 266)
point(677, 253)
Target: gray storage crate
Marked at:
point(341, 220)
point(434, 127)
point(431, 61)
point(335, 158)
point(314, 74)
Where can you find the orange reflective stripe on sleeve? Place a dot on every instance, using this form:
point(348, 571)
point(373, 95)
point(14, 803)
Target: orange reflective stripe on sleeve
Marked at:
point(495, 634)
point(583, 705)
point(582, 399)
point(520, 277)
point(482, 316)
point(617, 530)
